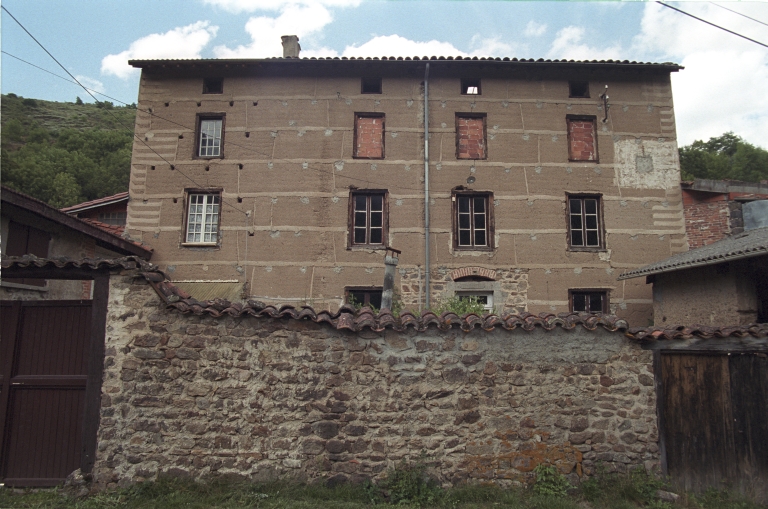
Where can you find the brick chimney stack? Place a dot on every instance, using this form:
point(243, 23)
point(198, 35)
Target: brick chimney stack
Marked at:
point(291, 46)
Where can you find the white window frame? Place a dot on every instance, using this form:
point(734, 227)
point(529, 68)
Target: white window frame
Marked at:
point(203, 214)
point(211, 131)
point(488, 306)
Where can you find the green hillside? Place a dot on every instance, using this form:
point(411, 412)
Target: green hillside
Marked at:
point(66, 153)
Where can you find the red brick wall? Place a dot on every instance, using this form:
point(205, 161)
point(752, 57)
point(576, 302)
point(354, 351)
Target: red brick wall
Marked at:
point(707, 219)
point(470, 138)
point(581, 138)
point(369, 137)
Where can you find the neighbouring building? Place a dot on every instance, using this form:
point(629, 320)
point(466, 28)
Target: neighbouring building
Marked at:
point(283, 179)
point(108, 213)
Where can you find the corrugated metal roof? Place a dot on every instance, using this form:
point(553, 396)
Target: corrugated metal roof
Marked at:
point(744, 245)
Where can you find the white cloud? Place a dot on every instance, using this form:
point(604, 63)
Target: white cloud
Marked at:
point(265, 31)
point(533, 29)
point(181, 42)
point(491, 47)
point(397, 46)
point(238, 6)
point(568, 45)
point(94, 85)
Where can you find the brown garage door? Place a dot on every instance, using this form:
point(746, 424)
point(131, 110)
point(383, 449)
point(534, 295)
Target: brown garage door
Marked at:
point(43, 368)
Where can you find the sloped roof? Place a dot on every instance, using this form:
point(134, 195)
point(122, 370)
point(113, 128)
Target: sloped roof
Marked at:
point(99, 202)
point(744, 245)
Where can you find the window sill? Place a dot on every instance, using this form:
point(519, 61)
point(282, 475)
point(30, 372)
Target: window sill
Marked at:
point(465, 249)
point(6, 284)
point(584, 161)
point(369, 158)
point(199, 244)
point(366, 247)
point(588, 249)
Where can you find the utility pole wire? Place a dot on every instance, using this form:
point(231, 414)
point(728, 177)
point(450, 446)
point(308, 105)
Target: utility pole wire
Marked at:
point(709, 23)
point(740, 14)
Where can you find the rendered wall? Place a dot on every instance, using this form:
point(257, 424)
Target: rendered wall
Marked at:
point(260, 398)
point(288, 169)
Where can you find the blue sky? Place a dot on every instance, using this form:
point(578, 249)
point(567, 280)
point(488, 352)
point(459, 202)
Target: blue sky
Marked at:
point(722, 88)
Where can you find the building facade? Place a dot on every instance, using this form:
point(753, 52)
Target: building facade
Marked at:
point(283, 180)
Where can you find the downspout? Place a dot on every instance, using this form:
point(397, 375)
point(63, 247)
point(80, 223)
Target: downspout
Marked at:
point(426, 187)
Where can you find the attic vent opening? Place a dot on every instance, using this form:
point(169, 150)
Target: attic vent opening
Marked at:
point(470, 86)
point(213, 85)
point(370, 85)
point(578, 89)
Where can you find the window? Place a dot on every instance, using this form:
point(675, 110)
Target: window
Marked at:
point(210, 139)
point(370, 297)
point(203, 218)
point(368, 218)
point(470, 136)
point(585, 229)
point(116, 218)
point(582, 139)
point(470, 86)
point(213, 85)
point(370, 85)
point(473, 221)
point(369, 136)
point(484, 298)
point(578, 89)
point(23, 240)
point(588, 301)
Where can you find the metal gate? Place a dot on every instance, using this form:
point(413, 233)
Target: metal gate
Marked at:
point(44, 352)
point(714, 420)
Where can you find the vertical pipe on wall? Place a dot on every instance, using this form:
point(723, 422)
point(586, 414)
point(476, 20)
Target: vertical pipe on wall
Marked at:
point(426, 186)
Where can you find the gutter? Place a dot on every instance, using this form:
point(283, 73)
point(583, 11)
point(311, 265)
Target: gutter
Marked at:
point(426, 186)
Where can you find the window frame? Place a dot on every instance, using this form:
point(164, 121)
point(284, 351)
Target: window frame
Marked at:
point(489, 220)
point(573, 83)
point(467, 83)
point(363, 114)
point(207, 86)
point(605, 293)
point(188, 193)
point(582, 118)
point(483, 116)
point(351, 244)
point(370, 80)
point(201, 117)
point(365, 289)
point(600, 221)
point(488, 306)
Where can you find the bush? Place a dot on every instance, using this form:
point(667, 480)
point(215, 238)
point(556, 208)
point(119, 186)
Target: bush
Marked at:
point(460, 305)
point(411, 484)
point(550, 482)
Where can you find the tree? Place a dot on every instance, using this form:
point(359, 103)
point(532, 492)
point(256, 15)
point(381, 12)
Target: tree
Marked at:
point(724, 157)
point(78, 101)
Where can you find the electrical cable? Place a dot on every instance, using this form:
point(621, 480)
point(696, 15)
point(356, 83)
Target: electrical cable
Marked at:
point(710, 23)
point(740, 14)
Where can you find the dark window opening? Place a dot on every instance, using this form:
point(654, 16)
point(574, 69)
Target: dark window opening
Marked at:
point(364, 297)
point(368, 221)
point(213, 85)
point(585, 229)
point(578, 89)
point(470, 86)
point(473, 221)
point(370, 85)
point(590, 301)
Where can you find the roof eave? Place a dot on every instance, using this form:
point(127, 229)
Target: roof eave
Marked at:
point(699, 263)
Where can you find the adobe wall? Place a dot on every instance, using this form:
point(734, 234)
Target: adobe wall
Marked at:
point(257, 398)
point(288, 168)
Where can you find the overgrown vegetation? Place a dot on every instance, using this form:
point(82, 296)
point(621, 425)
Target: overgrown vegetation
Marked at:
point(461, 305)
point(66, 153)
point(408, 485)
point(724, 157)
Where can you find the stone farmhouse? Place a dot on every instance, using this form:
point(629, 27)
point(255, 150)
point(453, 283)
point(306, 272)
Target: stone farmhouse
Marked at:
point(283, 180)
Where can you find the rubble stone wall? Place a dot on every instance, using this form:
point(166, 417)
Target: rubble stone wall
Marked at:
point(258, 398)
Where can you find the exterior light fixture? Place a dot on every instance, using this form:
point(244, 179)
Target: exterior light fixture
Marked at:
point(471, 179)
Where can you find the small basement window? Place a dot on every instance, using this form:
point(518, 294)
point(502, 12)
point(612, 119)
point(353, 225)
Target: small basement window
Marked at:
point(364, 297)
point(370, 85)
point(470, 86)
point(213, 85)
point(578, 89)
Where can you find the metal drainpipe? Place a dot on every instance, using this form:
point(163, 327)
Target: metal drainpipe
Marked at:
point(426, 186)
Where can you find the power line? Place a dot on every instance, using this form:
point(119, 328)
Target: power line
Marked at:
point(710, 23)
point(740, 14)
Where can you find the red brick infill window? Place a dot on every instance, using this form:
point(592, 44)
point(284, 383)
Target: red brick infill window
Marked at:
point(582, 142)
point(470, 136)
point(369, 135)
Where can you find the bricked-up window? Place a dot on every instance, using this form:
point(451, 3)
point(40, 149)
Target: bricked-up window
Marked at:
point(368, 218)
point(585, 225)
point(470, 136)
point(364, 296)
point(213, 85)
point(588, 301)
point(470, 86)
point(210, 136)
point(369, 136)
point(473, 221)
point(370, 85)
point(203, 218)
point(23, 240)
point(578, 89)
point(582, 139)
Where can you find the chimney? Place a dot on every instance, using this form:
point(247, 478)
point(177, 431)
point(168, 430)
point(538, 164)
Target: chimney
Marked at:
point(291, 46)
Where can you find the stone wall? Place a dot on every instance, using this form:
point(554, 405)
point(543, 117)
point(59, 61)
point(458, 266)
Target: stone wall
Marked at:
point(262, 397)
